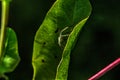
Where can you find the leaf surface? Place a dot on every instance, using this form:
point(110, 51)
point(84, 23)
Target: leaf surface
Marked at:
point(47, 52)
point(11, 58)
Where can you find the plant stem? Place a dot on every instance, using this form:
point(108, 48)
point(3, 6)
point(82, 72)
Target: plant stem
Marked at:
point(106, 69)
point(4, 19)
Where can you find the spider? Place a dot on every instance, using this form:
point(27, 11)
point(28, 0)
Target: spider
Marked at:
point(61, 36)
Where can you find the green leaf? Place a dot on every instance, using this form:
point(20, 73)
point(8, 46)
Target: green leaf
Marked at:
point(11, 58)
point(65, 17)
point(62, 70)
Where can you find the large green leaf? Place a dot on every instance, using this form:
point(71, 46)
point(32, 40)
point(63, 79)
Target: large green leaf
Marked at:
point(49, 46)
point(11, 58)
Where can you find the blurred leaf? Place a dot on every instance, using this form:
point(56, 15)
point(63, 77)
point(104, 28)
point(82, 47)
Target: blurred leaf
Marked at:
point(49, 41)
point(11, 57)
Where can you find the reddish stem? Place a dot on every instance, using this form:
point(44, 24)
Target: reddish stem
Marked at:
point(106, 69)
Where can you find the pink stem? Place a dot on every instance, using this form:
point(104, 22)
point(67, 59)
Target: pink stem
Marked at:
point(106, 69)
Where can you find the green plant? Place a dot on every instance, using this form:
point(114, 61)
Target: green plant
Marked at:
point(9, 57)
point(51, 53)
point(53, 41)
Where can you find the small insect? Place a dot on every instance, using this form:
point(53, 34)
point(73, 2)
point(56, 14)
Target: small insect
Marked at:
point(61, 36)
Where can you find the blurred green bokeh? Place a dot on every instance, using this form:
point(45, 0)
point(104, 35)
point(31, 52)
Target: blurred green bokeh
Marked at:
point(98, 43)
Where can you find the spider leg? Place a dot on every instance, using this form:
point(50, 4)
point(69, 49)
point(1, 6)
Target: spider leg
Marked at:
point(61, 36)
point(65, 35)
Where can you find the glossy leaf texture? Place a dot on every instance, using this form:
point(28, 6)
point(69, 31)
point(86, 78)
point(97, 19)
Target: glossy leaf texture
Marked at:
point(11, 58)
point(50, 46)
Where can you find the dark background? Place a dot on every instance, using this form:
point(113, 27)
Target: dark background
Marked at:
point(98, 43)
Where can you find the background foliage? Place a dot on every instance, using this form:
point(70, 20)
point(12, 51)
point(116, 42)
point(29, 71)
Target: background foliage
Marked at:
point(98, 43)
